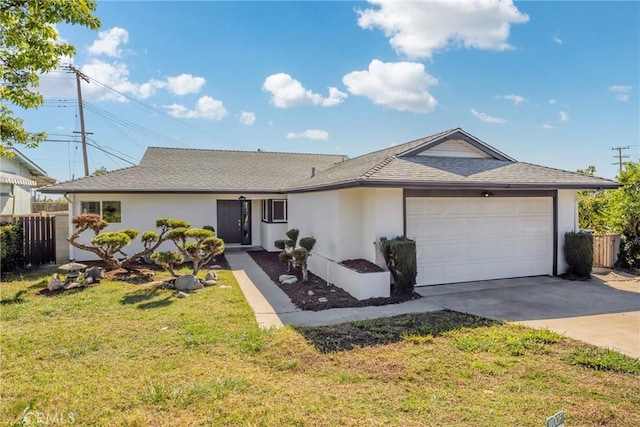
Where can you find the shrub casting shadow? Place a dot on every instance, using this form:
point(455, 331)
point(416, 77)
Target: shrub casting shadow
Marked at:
point(143, 299)
point(16, 299)
point(367, 333)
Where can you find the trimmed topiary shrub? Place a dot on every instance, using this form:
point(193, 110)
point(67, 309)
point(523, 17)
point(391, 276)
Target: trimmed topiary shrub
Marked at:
point(578, 251)
point(11, 247)
point(400, 255)
point(292, 254)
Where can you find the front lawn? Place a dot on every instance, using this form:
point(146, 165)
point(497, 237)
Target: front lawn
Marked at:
point(124, 354)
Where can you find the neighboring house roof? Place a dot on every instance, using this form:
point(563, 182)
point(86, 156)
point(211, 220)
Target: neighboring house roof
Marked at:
point(412, 165)
point(38, 177)
point(449, 159)
point(178, 170)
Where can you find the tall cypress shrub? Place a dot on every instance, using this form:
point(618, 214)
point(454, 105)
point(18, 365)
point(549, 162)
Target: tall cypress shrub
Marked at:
point(578, 251)
point(400, 255)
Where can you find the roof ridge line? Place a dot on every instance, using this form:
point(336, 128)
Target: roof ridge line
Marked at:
point(249, 151)
point(376, 168)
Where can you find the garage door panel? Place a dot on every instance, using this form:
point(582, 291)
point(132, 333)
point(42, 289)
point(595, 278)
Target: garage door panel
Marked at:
point(466, 239)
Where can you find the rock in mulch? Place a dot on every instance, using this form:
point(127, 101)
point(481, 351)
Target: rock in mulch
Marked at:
point(288, 279)
point(322, 299)
point(93, 275)
point(55, 283)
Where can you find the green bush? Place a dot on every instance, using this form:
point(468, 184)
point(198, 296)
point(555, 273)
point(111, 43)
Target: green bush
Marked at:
point(578, 251)
point(400, 256)
point(11, 247)
point(629, 256)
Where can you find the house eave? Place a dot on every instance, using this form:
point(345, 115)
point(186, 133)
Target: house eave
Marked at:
point(456, 185)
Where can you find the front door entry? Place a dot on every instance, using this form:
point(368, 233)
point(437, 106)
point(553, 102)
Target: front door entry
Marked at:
point(234, 221)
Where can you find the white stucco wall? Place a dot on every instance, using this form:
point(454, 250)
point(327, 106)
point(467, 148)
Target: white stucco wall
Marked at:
point(567, 221)
point(346, 223)
point(139, 211)
point(270, 232)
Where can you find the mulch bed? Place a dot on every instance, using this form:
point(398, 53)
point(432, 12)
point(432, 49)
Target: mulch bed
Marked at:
point(306, 295)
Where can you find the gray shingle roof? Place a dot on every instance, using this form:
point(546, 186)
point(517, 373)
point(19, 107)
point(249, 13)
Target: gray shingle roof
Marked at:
point(391, 167)
point(216, 171)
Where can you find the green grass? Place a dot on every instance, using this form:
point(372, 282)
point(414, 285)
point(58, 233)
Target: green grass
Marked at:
point(603, 360)
point(136, 355)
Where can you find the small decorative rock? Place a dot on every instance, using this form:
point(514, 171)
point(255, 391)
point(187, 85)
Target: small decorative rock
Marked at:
point(210, 279)
point(55, 283)
point(169, 284)
point(215, 267)
point(287, 279)
point(322, 299)
point(188, 282)
point(310, 293)
point(182, 294)
point(93, 275)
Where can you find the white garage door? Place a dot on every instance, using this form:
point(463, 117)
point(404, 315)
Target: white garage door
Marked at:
point(464, 239)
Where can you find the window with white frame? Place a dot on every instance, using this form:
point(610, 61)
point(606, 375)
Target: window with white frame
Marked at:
point(111, 211)
point(279, 209)
point(274, 210)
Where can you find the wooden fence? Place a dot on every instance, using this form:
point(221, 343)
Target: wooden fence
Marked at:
point(39, 239)
point(605, 250)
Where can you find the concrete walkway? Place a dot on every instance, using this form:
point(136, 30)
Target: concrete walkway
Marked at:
point(604, 311)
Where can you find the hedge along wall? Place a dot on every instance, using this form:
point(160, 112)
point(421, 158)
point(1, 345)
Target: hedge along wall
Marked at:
point(11, 247)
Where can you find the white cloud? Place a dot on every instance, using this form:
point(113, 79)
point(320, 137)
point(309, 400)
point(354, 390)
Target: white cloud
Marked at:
point(556, 39)
point(185, 84)
point(419, 28)
point(622, 92)
point(487, 118)
point(564, 116)
point(109, 41)
point(206, 108)
point(402, 86)
point(288, 92)
point(316, 134)
point(247, 118)
point(516, 99)
point(547, 126)
point(552, 102)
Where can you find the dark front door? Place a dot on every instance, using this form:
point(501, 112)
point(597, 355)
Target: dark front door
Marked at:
point(234, 221)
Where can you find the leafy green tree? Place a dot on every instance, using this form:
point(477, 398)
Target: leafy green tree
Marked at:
point(29, 47)
point(625, 215)
point(624, 209)
point(593, 206)
point(108, 245)
point(100, 171)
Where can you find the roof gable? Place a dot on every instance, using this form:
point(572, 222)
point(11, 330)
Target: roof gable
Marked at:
point(456, 143)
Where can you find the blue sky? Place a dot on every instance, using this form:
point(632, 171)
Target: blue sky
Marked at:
point(552, 83)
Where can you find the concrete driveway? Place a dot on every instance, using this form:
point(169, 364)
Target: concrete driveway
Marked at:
point(604, 311)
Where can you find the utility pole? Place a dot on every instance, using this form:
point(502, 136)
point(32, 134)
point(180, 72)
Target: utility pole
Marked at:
point(620, 156)
point(83, 134)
